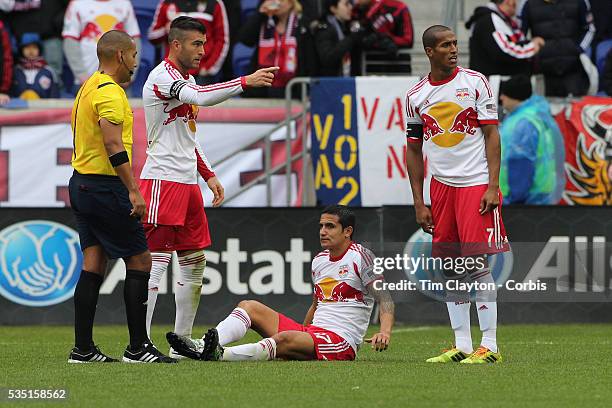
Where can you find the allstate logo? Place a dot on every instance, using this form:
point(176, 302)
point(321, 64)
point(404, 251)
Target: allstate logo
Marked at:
point(419, 245)
point(39, 262)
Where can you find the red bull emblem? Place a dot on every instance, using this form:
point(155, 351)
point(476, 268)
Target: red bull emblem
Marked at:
point(462, 93)
point(447, 123)
point(331, 290)
point(431, 127)
point(183, 111)
point(466, 121)
point(343, 271)
point(91, 30)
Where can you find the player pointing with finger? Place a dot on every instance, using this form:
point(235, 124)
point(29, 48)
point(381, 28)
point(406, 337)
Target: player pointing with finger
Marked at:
point(176, 219)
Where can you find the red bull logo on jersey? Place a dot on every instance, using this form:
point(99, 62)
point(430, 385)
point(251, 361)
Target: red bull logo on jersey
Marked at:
point(448, 123)
point(431, 127)
point(466, 121)
point(344, 269)
point(101, 24)
point(331, 290)
point(184, 111)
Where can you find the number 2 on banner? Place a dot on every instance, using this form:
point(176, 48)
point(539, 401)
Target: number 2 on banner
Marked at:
point(347, 101)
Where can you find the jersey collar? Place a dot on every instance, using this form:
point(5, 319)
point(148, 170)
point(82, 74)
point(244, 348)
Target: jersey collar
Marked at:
point(339, 257)
point(186, 76)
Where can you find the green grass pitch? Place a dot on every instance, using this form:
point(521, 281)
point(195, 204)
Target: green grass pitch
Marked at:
point(545, 366)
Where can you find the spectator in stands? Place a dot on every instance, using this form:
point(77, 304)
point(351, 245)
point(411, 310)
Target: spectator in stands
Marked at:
point(567, 27)
point(85, 22)
point(33, 78)
point(6, 65)
point(275, 31)
point(389, 18)
point(606, 77)
point(213, 15)
point(497, 44)
point(46, 18)
point(334, 40)
point(533, 155)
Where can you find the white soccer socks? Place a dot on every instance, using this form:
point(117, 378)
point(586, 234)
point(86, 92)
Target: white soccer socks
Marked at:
point(260, 351)
point(234, 326)
point(187, 291)
point(459, 313)
point(486, 306)
point(159, 266)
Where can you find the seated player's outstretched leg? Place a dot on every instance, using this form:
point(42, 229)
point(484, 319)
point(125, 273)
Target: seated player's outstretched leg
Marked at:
point(247, 314)
point(288, 345)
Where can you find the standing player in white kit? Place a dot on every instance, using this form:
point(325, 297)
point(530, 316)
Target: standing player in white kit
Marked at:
point(176, 220)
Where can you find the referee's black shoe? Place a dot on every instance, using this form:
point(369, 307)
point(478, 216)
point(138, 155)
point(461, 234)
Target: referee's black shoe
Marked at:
point(147, 353)
point(89, 356)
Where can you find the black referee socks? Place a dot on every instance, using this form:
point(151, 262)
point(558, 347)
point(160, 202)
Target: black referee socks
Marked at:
point(135, 294)
point(85, 300)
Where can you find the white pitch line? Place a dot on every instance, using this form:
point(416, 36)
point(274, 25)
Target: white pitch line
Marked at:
point(413, 329)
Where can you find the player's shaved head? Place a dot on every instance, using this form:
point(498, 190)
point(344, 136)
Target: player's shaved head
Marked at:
point(113, 41)
point(430, 35)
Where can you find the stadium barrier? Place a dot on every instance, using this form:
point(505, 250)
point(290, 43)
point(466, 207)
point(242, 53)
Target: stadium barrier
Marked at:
point(247, 143)
point(561, 260)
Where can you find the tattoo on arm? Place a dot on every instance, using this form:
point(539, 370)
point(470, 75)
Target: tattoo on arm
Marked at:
point(383, 297)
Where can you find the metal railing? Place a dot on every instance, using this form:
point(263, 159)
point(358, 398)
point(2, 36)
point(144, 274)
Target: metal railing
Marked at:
point(287, 123)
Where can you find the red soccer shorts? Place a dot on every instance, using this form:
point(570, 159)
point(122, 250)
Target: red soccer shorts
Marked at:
point(328, 345)
point(176, 219)
point(459, 228)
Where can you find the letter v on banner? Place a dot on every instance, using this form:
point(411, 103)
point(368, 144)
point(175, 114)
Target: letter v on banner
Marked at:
point(335, 141)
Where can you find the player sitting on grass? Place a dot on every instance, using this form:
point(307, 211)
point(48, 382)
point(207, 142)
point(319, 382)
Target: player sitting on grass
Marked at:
point(343, 298)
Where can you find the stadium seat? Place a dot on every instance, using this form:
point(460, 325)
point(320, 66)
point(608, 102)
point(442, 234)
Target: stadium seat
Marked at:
point(248, 7)
point(241, 59)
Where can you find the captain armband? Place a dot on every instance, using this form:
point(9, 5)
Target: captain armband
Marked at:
point(118, 159)
point(176, 87)
point(414, 131)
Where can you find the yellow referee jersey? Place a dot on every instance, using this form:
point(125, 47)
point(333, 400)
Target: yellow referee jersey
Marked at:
point(99, 98)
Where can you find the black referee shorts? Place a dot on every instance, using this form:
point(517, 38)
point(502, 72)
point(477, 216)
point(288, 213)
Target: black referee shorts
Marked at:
point(102, 207)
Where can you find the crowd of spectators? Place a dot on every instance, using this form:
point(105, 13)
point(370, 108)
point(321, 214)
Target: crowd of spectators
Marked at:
point(47, 47)
point(560, 39)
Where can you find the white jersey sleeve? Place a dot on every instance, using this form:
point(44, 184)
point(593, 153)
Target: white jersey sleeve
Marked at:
point(208, 95)
point(130, 23)
point(72, 26)
point(486, 105)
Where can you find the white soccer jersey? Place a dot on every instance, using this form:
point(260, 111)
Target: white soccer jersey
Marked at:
point(86, 21)
point(171, 102)
point(450, 114)
point(340, 285)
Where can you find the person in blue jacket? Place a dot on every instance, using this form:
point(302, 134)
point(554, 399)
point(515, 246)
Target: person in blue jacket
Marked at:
point(33, 77)
point(532, 147)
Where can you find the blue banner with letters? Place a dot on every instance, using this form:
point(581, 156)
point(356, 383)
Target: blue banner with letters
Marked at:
point(335, 150)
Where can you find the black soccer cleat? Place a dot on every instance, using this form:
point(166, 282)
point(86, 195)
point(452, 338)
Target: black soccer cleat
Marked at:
point(89, 356)
point(191, 348)
point(148, 353)
point(212, 349)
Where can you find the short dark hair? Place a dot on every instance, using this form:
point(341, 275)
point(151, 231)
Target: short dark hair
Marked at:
point(184, 23)
point(327, 4)
point(346, 216)
point(429, 35)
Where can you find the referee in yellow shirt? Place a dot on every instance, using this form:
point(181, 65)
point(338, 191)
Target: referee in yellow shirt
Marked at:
point(107, 203)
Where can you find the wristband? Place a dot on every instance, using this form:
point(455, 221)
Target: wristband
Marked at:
point(118, 159)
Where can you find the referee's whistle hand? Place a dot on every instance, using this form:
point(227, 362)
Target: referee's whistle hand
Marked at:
point(139, 206)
